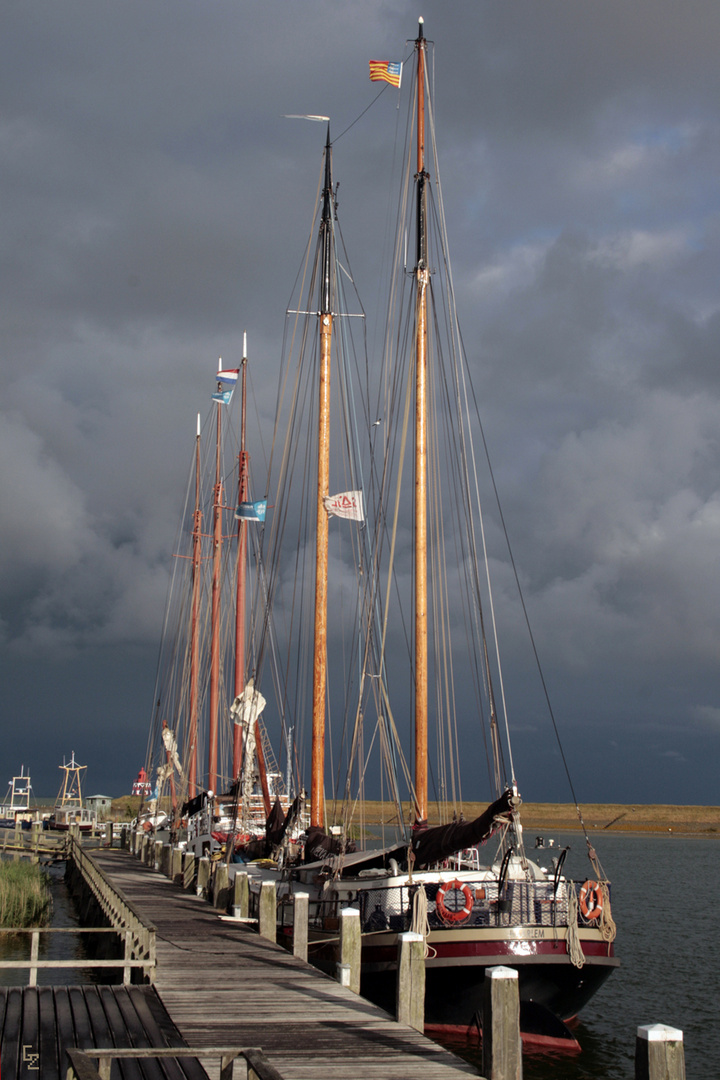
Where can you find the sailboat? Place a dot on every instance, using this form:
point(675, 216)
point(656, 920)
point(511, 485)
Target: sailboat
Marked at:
point(408, 468)
point(212, 778)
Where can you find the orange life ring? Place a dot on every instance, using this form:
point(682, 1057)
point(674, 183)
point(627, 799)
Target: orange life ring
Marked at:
point(591, 901)
point(444, 912)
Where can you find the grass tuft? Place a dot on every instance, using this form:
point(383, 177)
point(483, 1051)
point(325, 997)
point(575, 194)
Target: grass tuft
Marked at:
point(25, 898)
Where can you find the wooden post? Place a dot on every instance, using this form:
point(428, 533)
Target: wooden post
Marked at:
point(34, 952)
point(203, 875)
point(188, 869)
point(165, 859)
point(221, 890)
point(157, 854)
point(659, 1053)
point(267, 911)
point(301, 902)
point(350, 946)
point(501, 1046)
point(241, 895)
point(410, 991)
point(109, 833)
point(176, 866)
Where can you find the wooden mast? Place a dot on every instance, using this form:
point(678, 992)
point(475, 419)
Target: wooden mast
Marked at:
point(241, 571)
point(215, 615)
point(195, 625)
point(240, 596)
point(323, 482)
point(421, 615)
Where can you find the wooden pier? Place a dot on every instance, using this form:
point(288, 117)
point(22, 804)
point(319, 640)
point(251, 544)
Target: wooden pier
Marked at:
point(223, 984)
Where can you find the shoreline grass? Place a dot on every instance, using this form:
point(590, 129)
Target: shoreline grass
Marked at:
point(25, 898)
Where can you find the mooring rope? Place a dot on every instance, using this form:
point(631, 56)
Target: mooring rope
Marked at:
point(573, 934)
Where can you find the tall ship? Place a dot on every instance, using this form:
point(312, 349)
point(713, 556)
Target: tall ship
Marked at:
point(373, 641)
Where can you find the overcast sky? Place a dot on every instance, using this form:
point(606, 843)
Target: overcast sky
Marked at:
point(155, 205)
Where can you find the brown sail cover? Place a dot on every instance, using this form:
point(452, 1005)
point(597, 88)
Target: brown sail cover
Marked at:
point(433, 845)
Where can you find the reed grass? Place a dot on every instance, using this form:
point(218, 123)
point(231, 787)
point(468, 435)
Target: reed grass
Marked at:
point(25, 898)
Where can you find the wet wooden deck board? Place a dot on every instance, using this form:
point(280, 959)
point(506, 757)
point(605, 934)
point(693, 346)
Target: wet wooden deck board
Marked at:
point(222, 984)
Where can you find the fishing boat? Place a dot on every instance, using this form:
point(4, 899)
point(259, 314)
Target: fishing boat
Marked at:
point(410, 526)
point(69, 807)
point(16, 807)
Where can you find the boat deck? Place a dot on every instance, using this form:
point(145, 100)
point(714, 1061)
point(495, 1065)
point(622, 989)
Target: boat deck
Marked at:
point(224, 985)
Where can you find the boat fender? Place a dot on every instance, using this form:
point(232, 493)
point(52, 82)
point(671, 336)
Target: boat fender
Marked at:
point(591, 901)
point(443, 911)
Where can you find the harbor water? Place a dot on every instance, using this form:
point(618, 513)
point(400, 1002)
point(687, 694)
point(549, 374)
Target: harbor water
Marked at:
point(664, 888)
point(52, 946)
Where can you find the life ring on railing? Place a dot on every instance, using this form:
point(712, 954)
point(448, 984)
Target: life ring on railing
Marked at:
point(591, 901)
point(461, 914)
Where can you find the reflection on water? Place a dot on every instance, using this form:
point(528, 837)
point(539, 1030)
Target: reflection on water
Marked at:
point(663, 887)
point(52, 946)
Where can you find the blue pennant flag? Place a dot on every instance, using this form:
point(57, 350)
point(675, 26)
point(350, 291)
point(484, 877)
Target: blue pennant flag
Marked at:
point(251, 511)
point(224, 397)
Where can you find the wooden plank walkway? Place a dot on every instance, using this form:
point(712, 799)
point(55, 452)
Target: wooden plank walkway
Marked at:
point(223, 985)
point(38, 1024)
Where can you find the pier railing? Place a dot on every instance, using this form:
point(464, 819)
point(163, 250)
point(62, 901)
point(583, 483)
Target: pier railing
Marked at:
point(35, 962)
point(258, 1067)
point(138, 935)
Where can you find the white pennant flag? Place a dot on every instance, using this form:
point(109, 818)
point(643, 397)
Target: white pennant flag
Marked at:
point(348, 504)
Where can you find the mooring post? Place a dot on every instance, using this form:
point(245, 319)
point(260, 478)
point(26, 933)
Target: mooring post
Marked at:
point(241, 895)
point(301, 902)
point(203, 875)
point(165, 856)
point(501, 1045)
point(221, 890)
point(410, 989)
point(176, 867)
point(157, 854)
point(188, 869)
point(350, 948)
point(659, 1053)
point(267, 911)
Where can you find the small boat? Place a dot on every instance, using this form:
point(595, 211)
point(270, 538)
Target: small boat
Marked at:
point(16, 807)
point(69, 809)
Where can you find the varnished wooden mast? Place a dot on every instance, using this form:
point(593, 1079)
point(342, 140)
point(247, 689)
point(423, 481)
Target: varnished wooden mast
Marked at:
point(241, 571)
point(323, 482)
point(195, 626)
point(421, 614)
point(215, 616)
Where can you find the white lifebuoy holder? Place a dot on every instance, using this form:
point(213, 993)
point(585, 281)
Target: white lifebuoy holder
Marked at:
point(459, 914)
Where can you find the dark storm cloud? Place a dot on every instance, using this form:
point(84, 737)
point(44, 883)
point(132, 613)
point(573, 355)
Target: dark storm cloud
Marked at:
point(155, 205)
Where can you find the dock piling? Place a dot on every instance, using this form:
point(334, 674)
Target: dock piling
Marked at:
point(659, 1053)
point(267, 911)
point(301, 902)
point(501, 1046)
point(350, 945)
point(410, 994)
point(241, 895)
